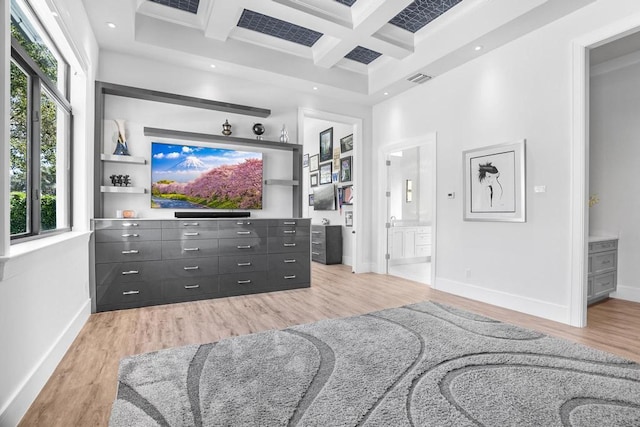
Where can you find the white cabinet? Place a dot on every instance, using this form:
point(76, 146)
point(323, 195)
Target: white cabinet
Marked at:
point(410, 242)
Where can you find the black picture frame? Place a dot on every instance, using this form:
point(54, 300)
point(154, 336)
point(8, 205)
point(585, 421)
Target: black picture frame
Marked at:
point(346, 143)
point(313, 163)
point(326, 145)
point(326, 170)
point(346, 169)
point(313, 179)
point(311, 199)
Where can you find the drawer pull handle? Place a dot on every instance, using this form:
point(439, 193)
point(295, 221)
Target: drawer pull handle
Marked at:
point(130, 235)
point(243, 223)
point(243, 246)
point(190, 224)
point(195, 267)
point(289, 245)
point(126, 273)
point(293, 276)
point(289, 261)
point(606, 262)
point(316, 232)
point(191, 286)
point(244, 282)
point(289, 231)
point(130, 292)
point(130, 224)
point(316, 243)
point(191, 249)
point(244, 264)
point(315, 253)
point(191, 234)
point(131, 252)
point(289, 223)
point(243, 232)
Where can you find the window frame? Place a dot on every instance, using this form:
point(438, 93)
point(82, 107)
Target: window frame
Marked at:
point(37, 80)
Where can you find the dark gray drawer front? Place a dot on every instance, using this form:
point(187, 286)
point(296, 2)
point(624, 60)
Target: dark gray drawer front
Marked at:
point(296, 222)
point(243, 231)
point(243, 246)
point(242, 263)
point(125, 224)
point(191, 223)
point(127, 272)
point(128, 251)
point(243, 222)
point(189, 234)
point(289, 262)
point(125, 294)
point(288, 244)
point(319, 256)
point(243, 283)
point(289, 231)
point(176, 249)
point(318, 245)
point(280, 280)
point(178, 288)
point(128, 235)
point(606, 245)
point(193, 267)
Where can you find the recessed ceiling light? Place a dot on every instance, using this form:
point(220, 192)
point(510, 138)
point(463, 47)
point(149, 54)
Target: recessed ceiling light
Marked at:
point(54, 14)
point(213, 65)
point(111, 25)
point(386, 93)
point(315, 88)
point(479, 47)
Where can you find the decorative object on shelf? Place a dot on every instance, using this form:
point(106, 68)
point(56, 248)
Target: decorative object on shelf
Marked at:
point(313, 163)
point(226, 128)
point(326, 145)
point(120, 180)
point(348, 218)
point(258, 130)
point(284, 135)
point(593, 200)
point(325, 174)
point(119, 213)
point(346, 143)
point(121, 144)
point(305, 161)
point(494, 178)
point(128, 213)
point(313, 179)
point(325, 221)
point(345, 169)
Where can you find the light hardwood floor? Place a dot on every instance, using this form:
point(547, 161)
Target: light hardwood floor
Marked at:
point(83, 387)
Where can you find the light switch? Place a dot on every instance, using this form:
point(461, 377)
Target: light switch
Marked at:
point(451, 195)
point(540, 189)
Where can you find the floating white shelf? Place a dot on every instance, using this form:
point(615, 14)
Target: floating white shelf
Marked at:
point(122, 159)
point(292, 182)
point(115, 189)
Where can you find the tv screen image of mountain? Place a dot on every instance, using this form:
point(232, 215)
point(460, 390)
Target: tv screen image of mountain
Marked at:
point(195, 177)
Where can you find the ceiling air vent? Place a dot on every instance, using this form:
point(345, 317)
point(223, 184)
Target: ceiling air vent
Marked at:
point(419, 78)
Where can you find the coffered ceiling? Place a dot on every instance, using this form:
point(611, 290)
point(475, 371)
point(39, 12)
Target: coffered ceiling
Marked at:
point(364, 49)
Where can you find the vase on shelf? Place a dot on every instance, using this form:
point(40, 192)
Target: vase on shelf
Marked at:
point(258, 130)
point(284, 135)
point(226, 128)
point(121, 144)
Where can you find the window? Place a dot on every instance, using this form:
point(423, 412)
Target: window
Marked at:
point(40, 125)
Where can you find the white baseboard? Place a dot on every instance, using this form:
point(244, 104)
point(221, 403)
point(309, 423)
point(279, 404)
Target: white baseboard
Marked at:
point(627, 293)
point(19, 403)
point(555, 312)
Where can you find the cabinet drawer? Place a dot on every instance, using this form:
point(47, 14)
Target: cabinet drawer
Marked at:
point(288, 244)
point(318, 255)
point(295, 222)
point(189, 234)
point(289, 231)
point(127, 294)
point(126, 272)
point(242, 263)
point(243, 283)
point(184, 288)
point(423, 251)
point(606, 245)
point(128, 251)
point(243, 231)
point(602, 261)
point(280, 280)
point(128, 235)
point(603, 284)
point(193, 267)
point(191, 223)
point(423, 239)
point(285, 260)
point(318, 245)
point(175, 249)
point(288, 269)
point(318, 233)
point(250, 245)
point(590, 288)
point(125, 224)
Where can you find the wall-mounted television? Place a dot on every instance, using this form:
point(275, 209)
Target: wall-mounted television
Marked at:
point(194, 177)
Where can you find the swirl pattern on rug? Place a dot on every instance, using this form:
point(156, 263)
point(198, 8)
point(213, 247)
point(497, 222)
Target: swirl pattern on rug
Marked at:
point(424, 364)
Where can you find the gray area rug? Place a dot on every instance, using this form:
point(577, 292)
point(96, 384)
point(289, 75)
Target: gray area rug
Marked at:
point(420, 365)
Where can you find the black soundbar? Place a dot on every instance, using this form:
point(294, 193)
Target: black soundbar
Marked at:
point(212, 214)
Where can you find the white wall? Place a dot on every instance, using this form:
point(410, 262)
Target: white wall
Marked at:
point(44, 285)
point(521, 90)
point(311, 142)
point(613, 172)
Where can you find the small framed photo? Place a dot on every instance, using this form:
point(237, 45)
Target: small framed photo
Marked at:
point(305, 161)
point(313, 163)
point(345, 169)
point(348, 218)
point(325, 173)
point(313, 179)
point(347, 194)
point(311, 199)
point(494, 183)
point(346, 143)
point(326, 145)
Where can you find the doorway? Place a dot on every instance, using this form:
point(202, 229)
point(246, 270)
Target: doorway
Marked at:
point(410, 209)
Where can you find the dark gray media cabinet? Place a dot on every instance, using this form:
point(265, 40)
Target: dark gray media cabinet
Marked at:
point(142, 262)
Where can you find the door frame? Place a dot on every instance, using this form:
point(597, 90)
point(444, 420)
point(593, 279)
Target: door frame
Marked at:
point(430, 141)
